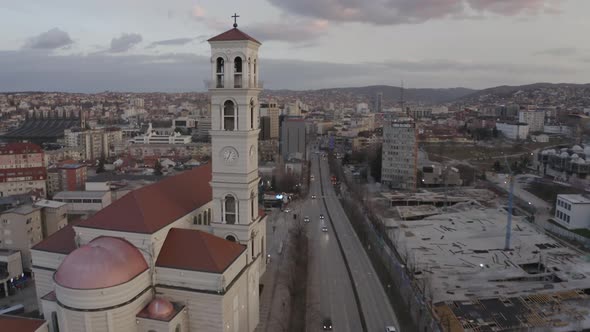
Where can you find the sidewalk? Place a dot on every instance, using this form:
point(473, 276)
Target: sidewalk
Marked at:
point(274, 301)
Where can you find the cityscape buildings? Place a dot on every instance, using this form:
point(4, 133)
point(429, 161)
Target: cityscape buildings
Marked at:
point(22, 169)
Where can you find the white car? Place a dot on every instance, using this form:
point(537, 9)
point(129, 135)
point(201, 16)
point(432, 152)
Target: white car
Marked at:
point(287, 210)
point(390, 329)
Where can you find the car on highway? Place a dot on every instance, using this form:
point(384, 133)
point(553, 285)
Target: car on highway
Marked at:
point(327, 324)
point(312, 177)
point(324, 226)
point(313, 196)
point(306, 219)
point(390, 329)
point(321, 216)
point(287, 210)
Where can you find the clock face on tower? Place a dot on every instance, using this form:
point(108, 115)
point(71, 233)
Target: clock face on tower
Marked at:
point(229, 155)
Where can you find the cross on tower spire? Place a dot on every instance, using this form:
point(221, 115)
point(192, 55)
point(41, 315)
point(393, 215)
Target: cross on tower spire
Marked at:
point(235, 17)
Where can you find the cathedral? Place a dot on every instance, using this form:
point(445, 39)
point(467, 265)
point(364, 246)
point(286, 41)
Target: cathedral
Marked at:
point(183, 254)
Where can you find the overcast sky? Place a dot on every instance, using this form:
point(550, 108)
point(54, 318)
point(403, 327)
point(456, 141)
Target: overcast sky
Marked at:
point(156, 45)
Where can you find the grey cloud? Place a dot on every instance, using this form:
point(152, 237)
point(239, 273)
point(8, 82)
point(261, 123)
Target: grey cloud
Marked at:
point(295, 32)
point(125, 42)
point(560, 51)
point(172, 42)
point(29, 70)
point(50, 40)
point(392, 12)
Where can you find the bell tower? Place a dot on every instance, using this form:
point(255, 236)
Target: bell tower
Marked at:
point(234, 88)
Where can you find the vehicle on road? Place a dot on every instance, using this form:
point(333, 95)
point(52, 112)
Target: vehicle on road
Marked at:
point(321, 216)
point(327, 324)
point(306, 219)
point(312, 177)
point(313, 196)
point(324, 226)
point(287, 210)
point(390, 329)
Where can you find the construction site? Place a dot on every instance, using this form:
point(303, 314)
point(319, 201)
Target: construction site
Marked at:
point(477, 276)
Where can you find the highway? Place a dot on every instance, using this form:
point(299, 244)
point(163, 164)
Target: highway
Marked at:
point(330, 287)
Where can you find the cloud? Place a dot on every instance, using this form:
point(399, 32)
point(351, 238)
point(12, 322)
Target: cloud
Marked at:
point(171, 42)
point(125, 42)
point(28, 70)
point(390, 12)
point(50, 40)
point(297, 31)
point(198, 11)
point(560, 51)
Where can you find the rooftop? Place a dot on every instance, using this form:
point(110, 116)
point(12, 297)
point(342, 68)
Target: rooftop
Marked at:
point(80, 194)
point(61, 242)
point(575, 199)
point(20, 324)
point(453, 247)
point(23, 209)
point(18, 148)
point(233, 35)
point(209, 252)
point(150, 208)
point(49, 204)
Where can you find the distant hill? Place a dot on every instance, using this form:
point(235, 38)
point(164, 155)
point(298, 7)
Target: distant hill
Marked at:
point(507, 91)
point(390, 93)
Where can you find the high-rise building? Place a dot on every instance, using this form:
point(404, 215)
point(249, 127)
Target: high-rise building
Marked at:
point(264, 128)
point(534, 118)
point(293, 139)
point(378, 107)
point(400, 153)
point(95, 143)
point(22, 169)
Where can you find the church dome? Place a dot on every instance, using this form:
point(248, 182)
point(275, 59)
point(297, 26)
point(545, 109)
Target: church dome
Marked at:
point(160, 308)
point(102, 263)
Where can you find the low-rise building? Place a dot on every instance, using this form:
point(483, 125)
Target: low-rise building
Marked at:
point(53, 215)
point(11, 267)
point(572, 211)
point(84, 203)
point(21, 228)
point(513, 130)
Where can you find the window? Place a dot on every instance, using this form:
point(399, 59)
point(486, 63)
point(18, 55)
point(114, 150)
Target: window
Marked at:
point(208, 216)
point(220, 69)
point(238, 73)
point(54, 321)
point(253, 205)
point(251, 114)
point(230, 209)
point(229, 116)
point(199, 220)
point(230, 238)
point(177, 328)
point(255, 81)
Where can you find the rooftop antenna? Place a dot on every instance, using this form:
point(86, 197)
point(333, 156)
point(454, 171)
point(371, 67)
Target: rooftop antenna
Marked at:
point(402, 97)
point(510, 198)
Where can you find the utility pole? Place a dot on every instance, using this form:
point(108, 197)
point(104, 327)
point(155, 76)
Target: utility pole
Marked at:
point(510, 198)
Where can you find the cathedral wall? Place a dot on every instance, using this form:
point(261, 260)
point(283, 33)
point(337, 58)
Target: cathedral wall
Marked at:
point(204, 309)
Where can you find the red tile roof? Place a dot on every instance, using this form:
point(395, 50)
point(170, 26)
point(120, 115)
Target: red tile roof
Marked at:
point(20, 324)
point(233, 34)
point(150, 208)
point(61, 242)
point(18, 148)
point(197, 251)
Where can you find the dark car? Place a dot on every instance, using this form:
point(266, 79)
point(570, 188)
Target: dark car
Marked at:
point(327, 324)
point(321, 216)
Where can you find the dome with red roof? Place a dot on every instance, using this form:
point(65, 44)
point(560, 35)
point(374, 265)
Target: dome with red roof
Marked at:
point(160, 308)
point(102, 263)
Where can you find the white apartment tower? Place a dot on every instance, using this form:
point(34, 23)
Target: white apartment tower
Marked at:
point(234, 140)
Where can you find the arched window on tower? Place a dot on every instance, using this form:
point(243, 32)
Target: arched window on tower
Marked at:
point(219, 71)
point(208, 216)
point(252, 114)
point(249, 72)
point(253, 205)
point(255, 80)
point(229, 116)
point(199, 220)
point(238, 73)
point(230, 209)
